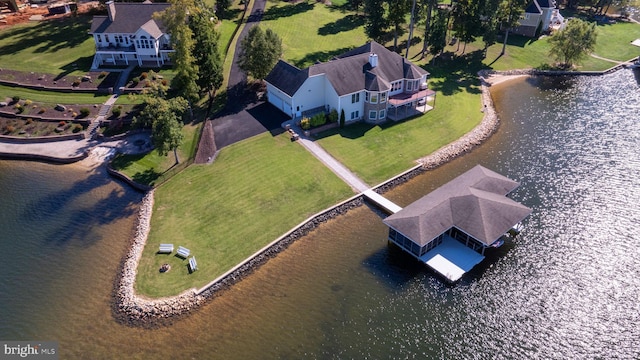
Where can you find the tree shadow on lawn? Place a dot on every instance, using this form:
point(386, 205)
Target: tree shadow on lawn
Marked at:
point(319, 56)
point(453, 73)
point(48, 36)
point(346, 23)
point(277, 12)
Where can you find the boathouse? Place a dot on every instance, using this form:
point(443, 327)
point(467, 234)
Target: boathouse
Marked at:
point(450, 228)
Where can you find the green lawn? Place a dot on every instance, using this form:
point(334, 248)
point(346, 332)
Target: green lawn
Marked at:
point(614, 41)
point(152, 168)
point(255, 191)
point(52, 97)
point(311, 31)
point(54, 47)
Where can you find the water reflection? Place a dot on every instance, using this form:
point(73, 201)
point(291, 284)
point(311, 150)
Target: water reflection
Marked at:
point(567, 288)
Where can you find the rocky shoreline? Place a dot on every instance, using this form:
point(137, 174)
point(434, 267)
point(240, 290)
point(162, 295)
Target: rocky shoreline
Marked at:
point(135, 310)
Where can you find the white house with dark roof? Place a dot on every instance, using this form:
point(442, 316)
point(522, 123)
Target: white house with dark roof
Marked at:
point(450, 228)
point(539, 14)
point(130, 35)
point(369, 83)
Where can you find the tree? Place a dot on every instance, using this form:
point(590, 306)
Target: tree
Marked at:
point(490, 25)
point(398, 10)
point(374, 22)
point(175, 19)
point(260, 51)
point(222, 8)
point(427, 25)
point(412, 21)
point(163, 117)
point(575, 41)
point(438, 33)
point(509, 13)
point(206, 53)
point(466, 21)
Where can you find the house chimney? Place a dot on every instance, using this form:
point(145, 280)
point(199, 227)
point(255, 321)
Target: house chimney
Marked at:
point(111, 9)
point(373, 60)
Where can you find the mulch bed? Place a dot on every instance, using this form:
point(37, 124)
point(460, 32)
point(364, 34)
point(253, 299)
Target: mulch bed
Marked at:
point(96, 79)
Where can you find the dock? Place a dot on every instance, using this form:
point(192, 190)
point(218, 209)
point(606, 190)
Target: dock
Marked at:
point(382, 202)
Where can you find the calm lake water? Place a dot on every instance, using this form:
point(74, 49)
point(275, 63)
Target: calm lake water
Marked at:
point(566, 288)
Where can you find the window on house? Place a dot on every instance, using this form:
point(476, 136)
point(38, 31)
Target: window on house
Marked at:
point(374, 98)
point(409, 85)
point(382, 114)
point(366, 96)
point(355, 98)
point(99, 38)
point(355, 114)
point(106, 37)
point(383, 97)
point(373, 114)
point(396, 86)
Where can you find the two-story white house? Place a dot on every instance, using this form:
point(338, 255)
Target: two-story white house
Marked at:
point(369, 83)
point(540, 15)
point(129, 34)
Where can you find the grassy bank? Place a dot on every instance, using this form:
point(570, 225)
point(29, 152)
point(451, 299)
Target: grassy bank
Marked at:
point(255, 191)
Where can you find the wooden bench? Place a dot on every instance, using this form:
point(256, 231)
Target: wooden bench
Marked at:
point(193, 265)
point(166, 248)
point(183, 252)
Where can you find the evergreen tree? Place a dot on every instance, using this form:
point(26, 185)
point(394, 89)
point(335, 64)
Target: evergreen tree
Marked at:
point(438, 33)
point(374, 23)
point(398, 10)
point(184, 62)
point(207, 55)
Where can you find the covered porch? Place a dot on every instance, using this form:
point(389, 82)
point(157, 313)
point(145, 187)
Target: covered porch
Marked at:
point(405, 105)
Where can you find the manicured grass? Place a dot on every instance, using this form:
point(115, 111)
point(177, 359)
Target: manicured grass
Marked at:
point(376, 153)
point(255, 191)
point(51, 97)
point(614, 41)
point(54, 47)
point(152, 168)
point(311, 31)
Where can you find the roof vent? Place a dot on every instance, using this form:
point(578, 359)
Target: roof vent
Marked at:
point(373, 60)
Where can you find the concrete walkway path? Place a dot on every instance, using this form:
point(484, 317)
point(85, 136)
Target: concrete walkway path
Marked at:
point(334, 165)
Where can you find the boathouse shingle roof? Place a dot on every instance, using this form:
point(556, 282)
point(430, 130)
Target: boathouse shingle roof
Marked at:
point(350, 72)
point(474, 202)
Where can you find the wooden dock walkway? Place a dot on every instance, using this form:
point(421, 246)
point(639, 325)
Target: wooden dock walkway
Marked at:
point(382, 202)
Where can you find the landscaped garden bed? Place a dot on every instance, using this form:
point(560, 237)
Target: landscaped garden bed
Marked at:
point(25, 108)
point(93, 80)
point(16, 127)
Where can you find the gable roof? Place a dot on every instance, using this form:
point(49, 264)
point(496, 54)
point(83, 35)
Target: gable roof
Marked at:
point(350, 72)
point(129, 18)
point(533, 8)
point(474, 202)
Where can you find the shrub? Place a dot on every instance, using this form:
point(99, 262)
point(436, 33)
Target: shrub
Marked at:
point(42, 110)
point(76, 83)
point(333, 116)
point(29, 121)
point(10, 129)
point(164, 82)
point(144, 75)
point(27, 102)
point(342, 118)
point(305, 123)
point(15, 99)
point(19, 109)
point(84, 112)
point(135, 80)
point(318, 120)
point(74, 114)
point(147, 83)
point(103, 74)
point(116, 111)
point(77, 128)
point(62, 123)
